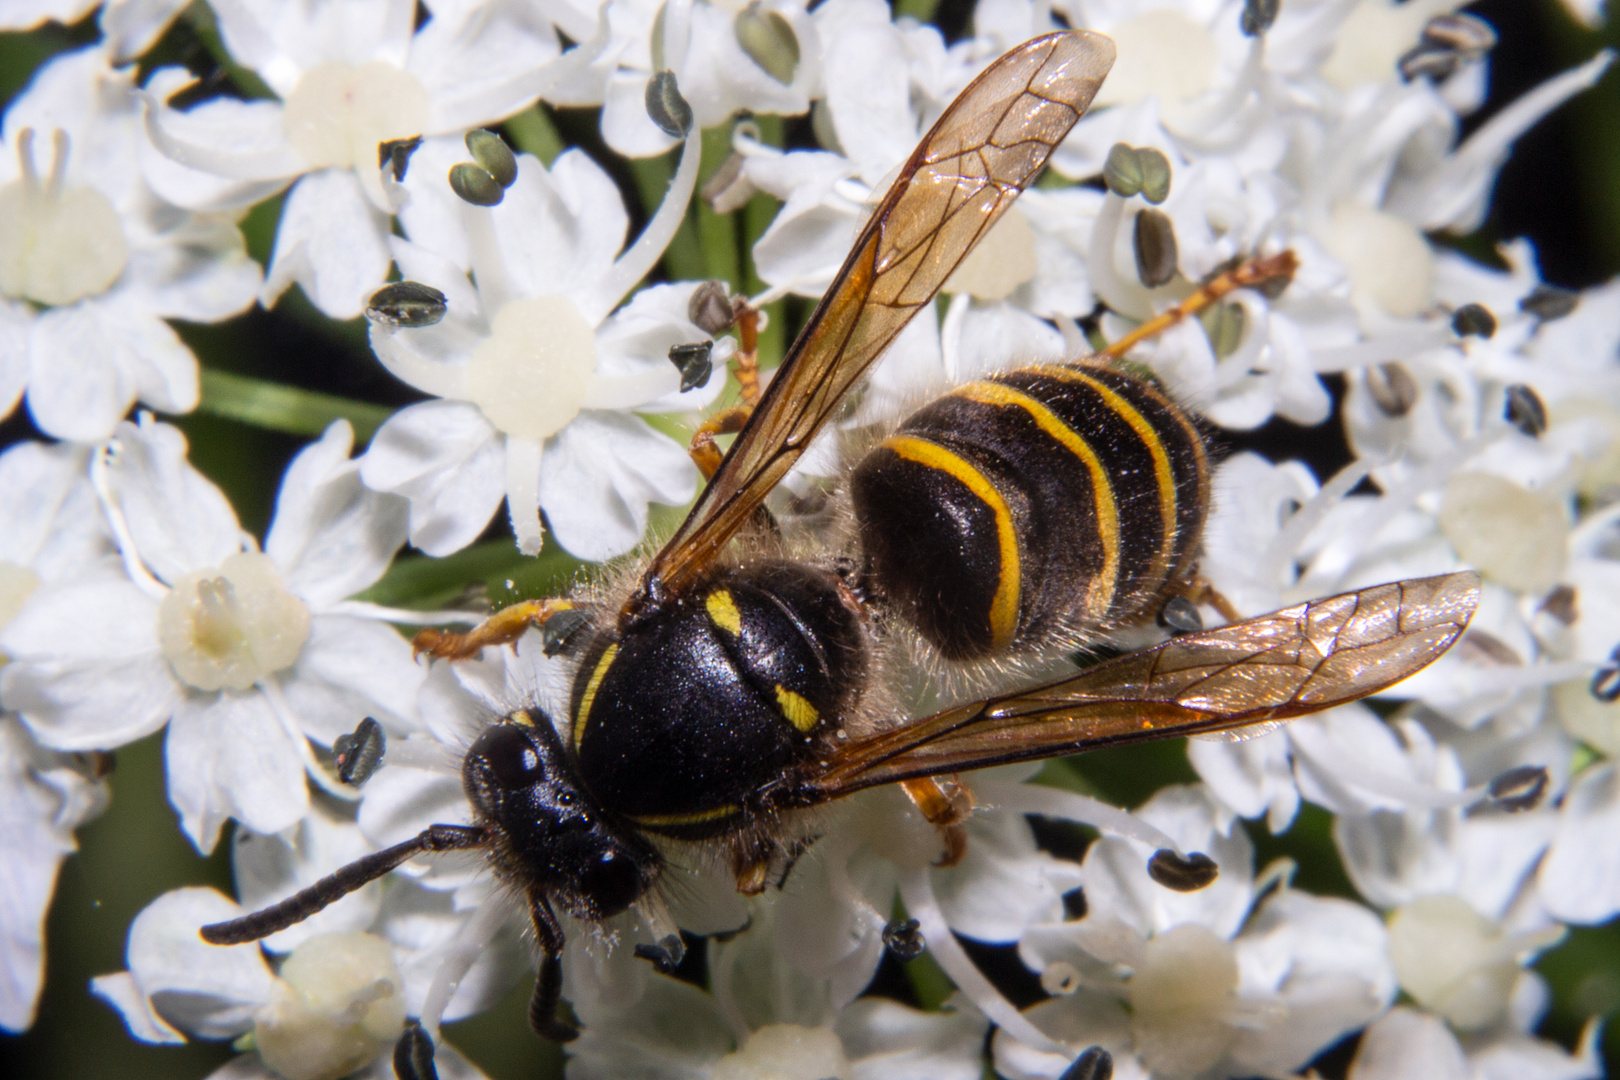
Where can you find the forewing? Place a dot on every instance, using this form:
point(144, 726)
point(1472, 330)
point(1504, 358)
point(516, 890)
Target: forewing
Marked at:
point(989, 143)
point(1289, 663)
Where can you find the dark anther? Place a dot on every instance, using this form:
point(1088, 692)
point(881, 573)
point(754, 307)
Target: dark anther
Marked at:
point(97, 764)
point(1563, 604)
point(1122, 172)
point(359, 754)
point(1446, 44)
point(667, 107)
point(1392, 387)
point(1549, 302)
point(1187, 873)
point(413, 1054)
point(1525, 411)
point(1179, 615)
point(1520, 789)
point(1156, 253)
point(666, 955)
point(1223, 324)
point(767, 38)
point(1155, 174)
point(1094, 1063)
point(473, 184)
point(693, 362)
point(395, 154)
point(1257, 17)
point(710, 308)
point(493, 155)
point(1473, 320)
point(1606, 683)
point(903, 938)
point(408, 304)
point(560, 632)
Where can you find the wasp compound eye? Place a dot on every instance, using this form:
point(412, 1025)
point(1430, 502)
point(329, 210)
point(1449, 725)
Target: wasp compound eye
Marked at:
point(512, 757)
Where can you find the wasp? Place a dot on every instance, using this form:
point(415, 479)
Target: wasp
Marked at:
point(727, 687)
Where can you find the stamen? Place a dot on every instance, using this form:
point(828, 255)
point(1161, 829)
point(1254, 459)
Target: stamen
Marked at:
point(289, 723)
point(465, 948)
point(1070, 806)
point(918, 893)
point(101, 460)
point(649, 247)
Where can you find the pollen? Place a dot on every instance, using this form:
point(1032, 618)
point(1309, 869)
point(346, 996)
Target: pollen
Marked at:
point(58, 244)
point(227, 628)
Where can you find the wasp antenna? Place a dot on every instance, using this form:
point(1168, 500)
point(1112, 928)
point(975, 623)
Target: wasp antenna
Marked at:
point(301, 905)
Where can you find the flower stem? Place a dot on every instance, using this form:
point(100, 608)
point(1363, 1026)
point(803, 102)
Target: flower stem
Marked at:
point(290, 409)
point(533, 132)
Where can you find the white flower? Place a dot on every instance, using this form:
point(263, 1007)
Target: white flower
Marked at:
point(541, 377)
point(129, 26)
point(1213, 989)
point(728, 56)
point(91, 262)
point(350, 74)
point(1406, 1044)
point(247, 655)
point(765, 1018)
point(50, 530)
point(333, 1008)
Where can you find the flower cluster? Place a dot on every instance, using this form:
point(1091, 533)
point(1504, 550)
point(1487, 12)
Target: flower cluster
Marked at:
point(534, 311)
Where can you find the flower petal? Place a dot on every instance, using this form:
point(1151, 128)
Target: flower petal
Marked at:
point(448, 461)
point(228, 757)
point(206, 990)
point(332, 242)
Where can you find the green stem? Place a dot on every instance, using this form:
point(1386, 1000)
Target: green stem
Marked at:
point(506, 575)
point(718, 232)
point(683, 259)
point(532, 131)
point(288, 409)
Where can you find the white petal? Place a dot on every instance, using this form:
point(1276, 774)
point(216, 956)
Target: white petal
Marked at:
point(887, 1041)
point(598, 476)
point(201, 273)
point(1409, 1045)
point(179, 519)
point(674, 1030)
point(87, 685)
point(15, 317)
point(119, 991)
point(351, 668)
point(1580, 879)
point(559, 231)
point(78, 389)
point(1253, 777)
point(1003, 885)
point(228, 757)
point(332, 536)
point(241, 140)
point(332, 242)
point(206, 990)
point(447, 460)
point(35, 482)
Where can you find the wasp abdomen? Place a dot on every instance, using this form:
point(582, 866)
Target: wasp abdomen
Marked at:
point(1030, 503)
point(677, 721)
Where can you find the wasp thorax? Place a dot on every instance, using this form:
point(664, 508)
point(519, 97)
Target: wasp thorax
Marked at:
point(227, 628)
point(58, 244)
point(551, 834)
point(531, 375)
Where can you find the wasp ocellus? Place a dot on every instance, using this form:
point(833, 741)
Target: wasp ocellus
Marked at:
point(729, 686)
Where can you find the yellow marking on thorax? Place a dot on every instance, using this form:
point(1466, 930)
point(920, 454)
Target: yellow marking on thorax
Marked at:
point(521, 717)
point(723, 610)
point(799, 712)
point(1004, 605)
point(1149, 435)
point(1101, 591)
point(588, 698)
point(697, 817)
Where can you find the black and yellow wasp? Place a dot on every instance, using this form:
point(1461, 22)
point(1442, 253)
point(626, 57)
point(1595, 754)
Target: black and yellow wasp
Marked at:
point(726, 687)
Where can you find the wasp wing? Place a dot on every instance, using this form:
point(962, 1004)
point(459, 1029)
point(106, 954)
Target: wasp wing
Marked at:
point(987, 146)
point(1299, 660)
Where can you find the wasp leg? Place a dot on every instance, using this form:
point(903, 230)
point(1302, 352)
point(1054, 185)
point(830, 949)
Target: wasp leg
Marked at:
point(751, 859)
point(946, 802)
point(1201, 591)
point(705, 454)
point(1267, 273)
point(548, 982)
point(501, 628)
